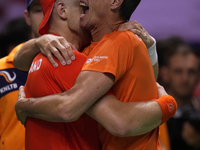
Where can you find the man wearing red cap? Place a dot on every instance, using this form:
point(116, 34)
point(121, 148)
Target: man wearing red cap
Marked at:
point(73, 106)
point(81, 133)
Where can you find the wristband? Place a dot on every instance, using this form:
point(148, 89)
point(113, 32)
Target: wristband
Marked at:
point(168, 106)
point(153, 53)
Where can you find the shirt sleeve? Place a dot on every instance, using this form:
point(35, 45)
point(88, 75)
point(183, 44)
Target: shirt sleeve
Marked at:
point(65, 76)
point(113, 54)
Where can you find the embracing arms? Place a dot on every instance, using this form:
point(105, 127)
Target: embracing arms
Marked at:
point(121, 119)
point(51, 45)
point(69, 106)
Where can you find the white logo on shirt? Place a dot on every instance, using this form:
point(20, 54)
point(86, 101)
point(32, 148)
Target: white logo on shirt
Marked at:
point(35, 65)
point(96, 58)
point(89, 60)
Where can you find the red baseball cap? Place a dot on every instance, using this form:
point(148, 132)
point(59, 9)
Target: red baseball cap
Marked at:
point(47, 7)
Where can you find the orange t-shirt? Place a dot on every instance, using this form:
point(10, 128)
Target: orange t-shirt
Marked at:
point(124, 55)
point(12, 132)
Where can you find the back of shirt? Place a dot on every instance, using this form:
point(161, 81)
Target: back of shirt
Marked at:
point(44, 79)
point(12, 132)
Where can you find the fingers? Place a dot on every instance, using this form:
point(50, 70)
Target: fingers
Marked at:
point(67, 50)
point(21, 93)
point(130, 25)
point(20, 115)
point(57, 49)
point(49, 55)
point(57, 46)
point(161, 90)
point(137, 29)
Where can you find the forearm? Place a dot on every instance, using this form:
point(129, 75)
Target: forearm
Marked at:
point(44, 108)
point(126, 119)
point(69, 105)
point(24, 57)
point(54, 108)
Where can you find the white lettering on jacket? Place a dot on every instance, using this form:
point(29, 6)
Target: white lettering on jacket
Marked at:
point(8, 88)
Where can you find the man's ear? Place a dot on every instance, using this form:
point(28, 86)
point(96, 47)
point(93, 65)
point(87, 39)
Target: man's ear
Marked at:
point(115, 4)
point(61, 10)
point(27, 17)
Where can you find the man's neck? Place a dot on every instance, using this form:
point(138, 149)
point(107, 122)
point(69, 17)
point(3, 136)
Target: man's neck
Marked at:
point(99, 31)
point(69, 36)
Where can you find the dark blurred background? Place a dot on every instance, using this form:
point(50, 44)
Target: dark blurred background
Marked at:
point(161, 18)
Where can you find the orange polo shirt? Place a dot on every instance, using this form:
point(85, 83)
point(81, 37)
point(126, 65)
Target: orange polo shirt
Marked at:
point(124, 55)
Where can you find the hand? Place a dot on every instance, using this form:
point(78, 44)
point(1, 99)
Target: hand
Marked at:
point(161, 90)
point(21, 116)
point(137, 28)
point(51, 45)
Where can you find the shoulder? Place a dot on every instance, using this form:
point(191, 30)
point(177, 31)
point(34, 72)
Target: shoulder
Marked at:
point(76, 64)
point(3, 59)
point(80, 58)
point(4, 64)
point(124, 35)
point(79, 54)
point(123, 38)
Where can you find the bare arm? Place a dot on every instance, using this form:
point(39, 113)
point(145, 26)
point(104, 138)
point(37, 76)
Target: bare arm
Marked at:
point(49, 45)
point(69, 105)
point(23, 58)
point(137, 28)
point(121, 119)
point(127, 119)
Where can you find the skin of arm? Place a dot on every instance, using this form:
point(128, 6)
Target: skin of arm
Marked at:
point(125, 119)
point(49, 45)
point(71, 104)
point(58, 107)
point(121, 119)
point(26, 53)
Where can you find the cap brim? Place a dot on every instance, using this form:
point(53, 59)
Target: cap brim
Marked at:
point(44, 26)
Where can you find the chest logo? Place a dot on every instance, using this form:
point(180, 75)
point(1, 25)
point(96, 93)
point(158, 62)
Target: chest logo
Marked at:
point(96, 59)
point(35, 65)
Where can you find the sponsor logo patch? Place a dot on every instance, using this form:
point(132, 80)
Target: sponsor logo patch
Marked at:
point(96, 59)
point(11, 79)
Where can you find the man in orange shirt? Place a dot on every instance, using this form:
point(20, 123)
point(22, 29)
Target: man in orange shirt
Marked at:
point(12, 132)
point(106, 73)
